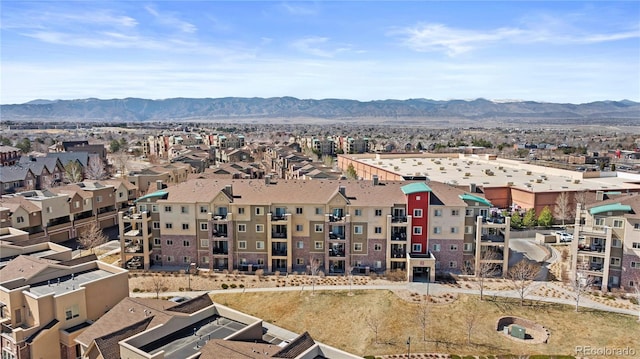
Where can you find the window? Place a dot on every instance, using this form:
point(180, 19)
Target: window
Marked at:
point(437, 213)
point(377, 247)
point(242, 228)
point(377, 230)
point(259, 228)
point(417, 213)
point(99, 199)
point(299, 228)
point(49, 209)
point(154, 208)
point(318, 245)
point(378, 264)
point(184, 209)
point(453, 264)
point(168, 225)
point(300, 244)
point(72, 312)
point(20, 219)
point(599, 221)
point(416, 247)
point(437, 230)
point(636, 245)
point(241, 210)
point(169, 258)
point(205, 259)
point(357, 229)
point(186, 243)
point(319, 210)
point(143, 208)
point(242, 244)
point(358, 212)
point(635, 264)
point(418, 198)
point(616, 243)
point(618, 223)
point(169, 242)
point(167, 208)
point(455, 212)
point(454, 229)
point(185, 226)
point(436, 248)
point(186, 259)
point(636, 226)
point(204, 209)
point(298, 210)
point(378, 213)
point(157, 242)
point(318, 227)
point(357, 247)
point(615, 261)
point(204, 242)
point(468, 247)
point(417, 230)
point(204, 226)
point(453, 247)
point(259, 244)
point(468, 212)
point(468, 229)
point(259, 211)
point(260, 261)
point(76, 204)
point(299, 261)
point(156, 225)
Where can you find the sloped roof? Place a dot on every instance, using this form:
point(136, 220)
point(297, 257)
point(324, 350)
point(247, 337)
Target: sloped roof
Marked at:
point(25, 267)
point(108, 344)
point(193, 305)
point(470, 197)
point(14, 173)
point(298, 346)
point(614, 207)
point(416, 187)
point(156, 194)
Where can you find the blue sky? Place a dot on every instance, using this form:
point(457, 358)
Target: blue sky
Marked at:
point(365, 50)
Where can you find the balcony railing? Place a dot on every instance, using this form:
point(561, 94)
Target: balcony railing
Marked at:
point(221, 250)
point(336, 252)
point(399, 236)
point(399, 219)
point(278, 234)
point(595, 248)
point(336, 236)
point(398, 254)
point(219, 217)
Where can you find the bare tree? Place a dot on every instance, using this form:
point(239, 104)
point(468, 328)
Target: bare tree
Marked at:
point(422, 317)
point(581, 198)
point(95, 168)
point(158, 284)
point(635, 290)
point(486, 269)
point(373, 323)
point(471, 318)
point(314, 266)
point(73, 172)
point(120, 161)
point(92, 236)
point(580, 284)
point(349, 273)
point(522, 276)
point(562, 207)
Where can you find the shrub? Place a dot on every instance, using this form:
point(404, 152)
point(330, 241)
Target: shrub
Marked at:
point(224, 286)
point(454, 356)
point(233, 285)
point(369, 357)
point(181, 289)
point(633, 300)
point(136, 290)
point(241, 286)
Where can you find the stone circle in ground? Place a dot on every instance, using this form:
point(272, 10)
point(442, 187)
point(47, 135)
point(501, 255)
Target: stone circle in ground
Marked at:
point(534, 333)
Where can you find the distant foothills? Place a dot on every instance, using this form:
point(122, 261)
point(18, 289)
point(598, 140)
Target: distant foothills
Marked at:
point(623, 112)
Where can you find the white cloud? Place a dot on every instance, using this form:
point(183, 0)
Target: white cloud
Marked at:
point(299, 9)
point(171, 20)
point(317, 46)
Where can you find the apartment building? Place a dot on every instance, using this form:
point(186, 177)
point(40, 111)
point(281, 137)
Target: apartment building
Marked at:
point(46, 304)
point(286, 225)
point(606, 245)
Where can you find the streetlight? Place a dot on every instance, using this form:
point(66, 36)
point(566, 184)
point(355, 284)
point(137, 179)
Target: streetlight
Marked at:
point(409, 347)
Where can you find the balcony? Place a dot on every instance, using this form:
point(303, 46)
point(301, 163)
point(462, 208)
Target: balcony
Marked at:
point(398, 254)
point(279, 235)
point(399, 234)
point(337, 250)
point(219, 217)
point(399, 218)
point(492, 238)
point(279, 215)
point(133, 248)
point(336, 215)
point(220, 248)
point(279, 249)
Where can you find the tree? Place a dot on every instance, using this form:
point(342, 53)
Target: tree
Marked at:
point(521, 276)
point(314, 267)
point(423, 312)
point(349, 273)
point(580, 284)
point(73, 172)
point(114, 146)
point(351, 172)
point(95, 168)
point(545, 218)
point(92, 236)
point(562, 209)
point(581, 198)
point(24, 145)
point(635, 289)
point(516, 220)
point(373, 323)
point(120, 161)
point(486, 269)
point(529, 219)
point(158, 284)
point(471, 317)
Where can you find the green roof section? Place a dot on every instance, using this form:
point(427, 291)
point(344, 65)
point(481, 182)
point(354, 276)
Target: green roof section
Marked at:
point(417, 187)
point(470, 197)
point(155, 194)
point(616, 207)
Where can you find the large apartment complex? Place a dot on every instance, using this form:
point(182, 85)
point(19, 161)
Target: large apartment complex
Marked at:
point(286, 225)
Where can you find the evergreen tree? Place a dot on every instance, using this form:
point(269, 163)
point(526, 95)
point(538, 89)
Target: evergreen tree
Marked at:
point(546, 218)
point(516, 220)
point(529, 219)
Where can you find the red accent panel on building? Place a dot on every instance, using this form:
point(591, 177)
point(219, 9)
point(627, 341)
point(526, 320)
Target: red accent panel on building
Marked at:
point(419, 200)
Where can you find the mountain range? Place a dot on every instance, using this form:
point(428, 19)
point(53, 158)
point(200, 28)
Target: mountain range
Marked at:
point(180, 109)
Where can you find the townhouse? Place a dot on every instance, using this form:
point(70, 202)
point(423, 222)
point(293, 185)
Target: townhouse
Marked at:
point(606, 245)
point(46, 304)
point(286, 225)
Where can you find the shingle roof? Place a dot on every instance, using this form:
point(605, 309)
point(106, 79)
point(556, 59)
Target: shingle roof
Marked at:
point(192, 305)
point(298, 346)
point(108, 344)
point(65, 157)
point(14, 173)
point(14, 202)
point(25, 267)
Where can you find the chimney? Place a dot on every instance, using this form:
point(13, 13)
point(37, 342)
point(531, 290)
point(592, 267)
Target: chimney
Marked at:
point(375, 180)
point(599, 195)
point(158, 185)
point(342, 190)
point(229, 189)
point(472, 187)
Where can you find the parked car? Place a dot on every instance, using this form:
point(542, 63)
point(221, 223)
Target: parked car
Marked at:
point(179, 299)
point(564, 236)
